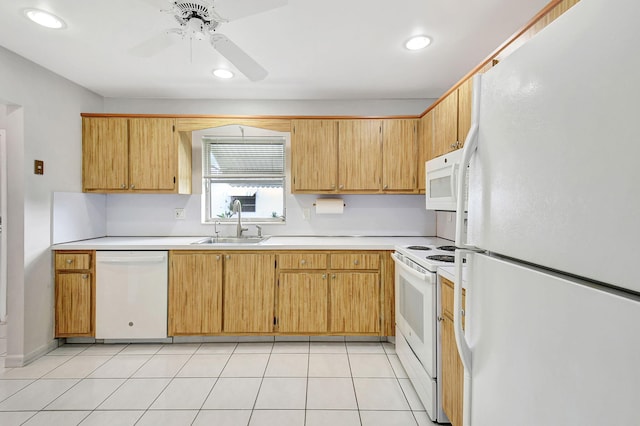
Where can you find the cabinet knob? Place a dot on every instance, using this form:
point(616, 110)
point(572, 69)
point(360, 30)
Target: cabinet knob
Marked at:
point(324, 276)
point(333, 276)
point(385, 187)
point(303, 262)
point(69, 261)
point(453, 145)
point(227, 257)
point(356, 262)
point(85, 276)
point(341, 186)
point(440, 319)
point(218, 257)
point(123, 186)
point(132, 186)
point(333, 186)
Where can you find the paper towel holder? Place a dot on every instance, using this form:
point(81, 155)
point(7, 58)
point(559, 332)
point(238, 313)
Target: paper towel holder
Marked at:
point(343, 204)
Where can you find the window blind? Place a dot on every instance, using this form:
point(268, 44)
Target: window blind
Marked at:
point(243, 157)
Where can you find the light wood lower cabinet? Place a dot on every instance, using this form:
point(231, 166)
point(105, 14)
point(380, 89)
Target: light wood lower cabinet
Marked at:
point(195, 293)
point(452, 368)
point(332, 292)
point(302, 302)
point(355, 302)
point(249, 292)
point(74, 294)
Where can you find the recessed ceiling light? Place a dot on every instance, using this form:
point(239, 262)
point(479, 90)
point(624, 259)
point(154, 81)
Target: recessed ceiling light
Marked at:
point(222, 73)
point(417, 42)
point(45, 19)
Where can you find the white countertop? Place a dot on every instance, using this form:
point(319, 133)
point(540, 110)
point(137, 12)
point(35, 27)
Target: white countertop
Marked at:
point(449, 272)
point(272, 243)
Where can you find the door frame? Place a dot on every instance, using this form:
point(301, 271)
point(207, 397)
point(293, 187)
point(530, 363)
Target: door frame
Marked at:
point(3, 225)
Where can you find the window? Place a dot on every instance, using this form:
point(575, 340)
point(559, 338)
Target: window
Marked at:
point(248, 169)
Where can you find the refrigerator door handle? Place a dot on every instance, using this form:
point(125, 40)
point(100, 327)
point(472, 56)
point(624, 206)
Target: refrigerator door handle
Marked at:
point(464, 349)
point(470, 145)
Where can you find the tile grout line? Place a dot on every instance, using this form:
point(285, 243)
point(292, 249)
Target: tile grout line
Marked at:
point(353, 383)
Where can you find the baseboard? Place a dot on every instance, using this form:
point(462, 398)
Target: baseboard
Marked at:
point(12, 361)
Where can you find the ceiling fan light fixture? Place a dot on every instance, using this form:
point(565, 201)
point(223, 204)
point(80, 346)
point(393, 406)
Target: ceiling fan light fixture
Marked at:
point(418, 42)
point(223, 73)
point(45, 19)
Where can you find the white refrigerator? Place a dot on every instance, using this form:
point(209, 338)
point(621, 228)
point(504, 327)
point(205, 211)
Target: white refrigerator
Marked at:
point(553, 244)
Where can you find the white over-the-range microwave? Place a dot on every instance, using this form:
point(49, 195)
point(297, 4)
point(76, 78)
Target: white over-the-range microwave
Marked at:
point(442, 181)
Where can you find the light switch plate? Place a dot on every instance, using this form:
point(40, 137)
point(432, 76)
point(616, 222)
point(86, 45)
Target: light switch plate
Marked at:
point(179, 214)
point(38, 167)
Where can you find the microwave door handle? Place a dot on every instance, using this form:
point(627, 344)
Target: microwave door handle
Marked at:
point(452, 181)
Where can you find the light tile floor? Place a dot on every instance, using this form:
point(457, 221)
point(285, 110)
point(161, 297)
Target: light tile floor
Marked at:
point(222, 384)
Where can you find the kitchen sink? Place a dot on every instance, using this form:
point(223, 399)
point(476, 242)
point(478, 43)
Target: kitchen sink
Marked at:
point(231, 240)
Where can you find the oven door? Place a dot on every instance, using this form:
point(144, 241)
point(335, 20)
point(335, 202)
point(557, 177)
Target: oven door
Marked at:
point(416, 313)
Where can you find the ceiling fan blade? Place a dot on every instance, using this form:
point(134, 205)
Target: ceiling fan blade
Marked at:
point(155, 44)
point(236, 9)
point(243, 62)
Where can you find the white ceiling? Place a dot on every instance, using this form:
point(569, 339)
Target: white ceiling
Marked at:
point(312, 49)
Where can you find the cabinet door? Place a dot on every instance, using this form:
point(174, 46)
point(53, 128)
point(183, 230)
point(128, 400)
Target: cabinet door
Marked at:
point(354, 302)
point(73, 304)
point(425, 146)
point(445, 125)
point(195, 293)
point(452, 374)
point(465, 92)
point(105, 153)
point(302, 302)
point(360, 155)
point(249, 291)
point(314, 155)
point(399, 150)
point(153, 152)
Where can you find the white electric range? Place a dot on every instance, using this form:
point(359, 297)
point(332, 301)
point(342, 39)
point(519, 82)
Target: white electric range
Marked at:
point(417, 327)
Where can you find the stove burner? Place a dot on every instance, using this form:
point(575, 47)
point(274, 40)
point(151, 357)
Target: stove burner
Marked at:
point(447, 248)
point(418, 248)
point(442, 258)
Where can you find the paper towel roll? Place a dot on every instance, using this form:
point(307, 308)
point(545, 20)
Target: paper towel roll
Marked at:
point(329, 206)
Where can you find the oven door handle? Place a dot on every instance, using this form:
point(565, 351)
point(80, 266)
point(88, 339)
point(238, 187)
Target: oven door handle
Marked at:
point(407, 269)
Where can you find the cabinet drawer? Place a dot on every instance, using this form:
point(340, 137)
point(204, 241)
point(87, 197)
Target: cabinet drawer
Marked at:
point(303, 261)
point(355, 261)
point(70, 261)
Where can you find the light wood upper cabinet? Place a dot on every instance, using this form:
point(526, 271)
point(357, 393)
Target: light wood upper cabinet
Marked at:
point(195, 293)
point(445, 125)
point(302, 302)
point(135, 155)
point(465, 94)
point(314, 149)
point(249, 292)
point(74, 294)
point(105, 154)
point(360, 155)
point(152, 154)
point(399, 150)
point(425, 146)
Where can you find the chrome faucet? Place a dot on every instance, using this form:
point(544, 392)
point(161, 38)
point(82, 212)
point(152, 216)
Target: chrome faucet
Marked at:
point(237, 208)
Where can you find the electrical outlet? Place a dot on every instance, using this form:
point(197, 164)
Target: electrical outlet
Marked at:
point(179, 214)
point(306, 214)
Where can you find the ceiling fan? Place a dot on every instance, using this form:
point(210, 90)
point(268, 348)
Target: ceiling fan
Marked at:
point(201, 19)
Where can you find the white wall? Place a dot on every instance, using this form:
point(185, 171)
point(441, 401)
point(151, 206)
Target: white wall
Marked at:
point(43, 122)
point(367, 107)
point(153, 215)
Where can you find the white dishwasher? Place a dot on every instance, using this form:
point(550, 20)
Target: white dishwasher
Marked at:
point(131, 294)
